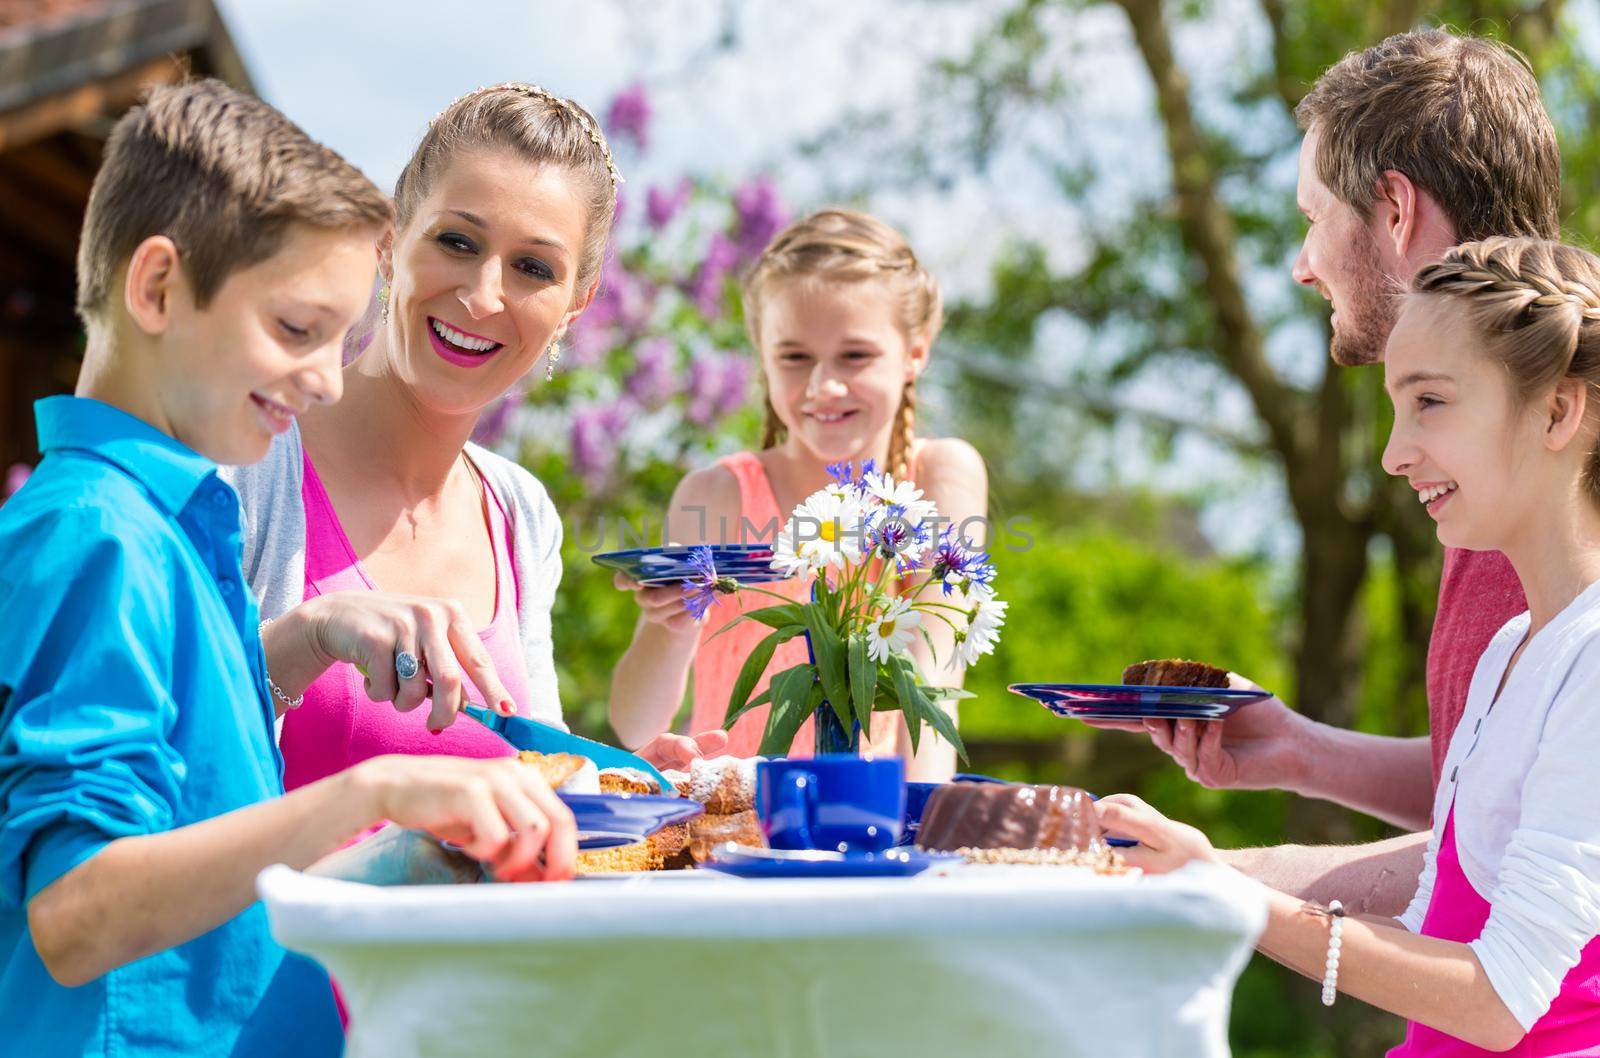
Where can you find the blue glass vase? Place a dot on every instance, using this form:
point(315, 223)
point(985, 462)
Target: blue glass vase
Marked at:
point(831, 735)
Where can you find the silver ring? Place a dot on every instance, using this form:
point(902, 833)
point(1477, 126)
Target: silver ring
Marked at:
point(406, 666)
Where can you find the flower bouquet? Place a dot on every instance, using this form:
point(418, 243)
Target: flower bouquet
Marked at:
point(886, 565)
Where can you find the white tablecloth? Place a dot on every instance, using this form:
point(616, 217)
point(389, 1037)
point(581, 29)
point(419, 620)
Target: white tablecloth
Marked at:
point(1008, 961)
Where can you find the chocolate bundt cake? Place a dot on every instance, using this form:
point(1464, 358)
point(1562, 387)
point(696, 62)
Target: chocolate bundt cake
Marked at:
point(964, 815)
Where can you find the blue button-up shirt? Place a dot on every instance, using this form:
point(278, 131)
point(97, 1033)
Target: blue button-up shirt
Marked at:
point(135, 702)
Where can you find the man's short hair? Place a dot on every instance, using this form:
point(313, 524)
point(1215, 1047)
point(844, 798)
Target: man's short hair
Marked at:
point(1461, 116)
point(224, 176)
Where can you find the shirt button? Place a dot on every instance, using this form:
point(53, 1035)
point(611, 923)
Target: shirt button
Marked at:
point(228, 587)
point(219, 498)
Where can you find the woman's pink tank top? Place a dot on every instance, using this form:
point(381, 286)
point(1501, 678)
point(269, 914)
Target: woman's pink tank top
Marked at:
point(717, 661)
point(1571, 1027)
point(338, 725)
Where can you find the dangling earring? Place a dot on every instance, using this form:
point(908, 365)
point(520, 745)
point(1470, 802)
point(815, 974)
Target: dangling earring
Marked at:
point(552, 357)
point(383, 303)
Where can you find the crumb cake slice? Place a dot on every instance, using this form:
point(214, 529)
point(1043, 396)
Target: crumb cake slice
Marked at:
point(1175, 672)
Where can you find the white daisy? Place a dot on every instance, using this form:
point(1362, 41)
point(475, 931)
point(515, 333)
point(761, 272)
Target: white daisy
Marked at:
point(892, 630)
point(984, 621)
point(891, 493)
point(825, 530)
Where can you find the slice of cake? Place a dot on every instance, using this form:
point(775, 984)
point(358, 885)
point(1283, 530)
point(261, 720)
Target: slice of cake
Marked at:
point(1175, 673)
point(969, 815)
point(557, 768)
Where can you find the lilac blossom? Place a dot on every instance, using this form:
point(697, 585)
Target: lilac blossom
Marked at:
point(705, 290)
point(705, 385)
point(734, 390)
point(629, 116)
point(629, 298)
point(594, 448)
point(661, 205)
point(492, 424)
point(653, 380)
point(760, 215)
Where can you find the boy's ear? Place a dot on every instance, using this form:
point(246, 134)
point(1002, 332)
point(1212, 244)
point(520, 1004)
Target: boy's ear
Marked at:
point(153, 277)
point(1565, 412)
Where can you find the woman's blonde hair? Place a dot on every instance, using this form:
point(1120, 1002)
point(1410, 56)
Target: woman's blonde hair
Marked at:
point(848, 246)
point(534, 124)
point(1535, 304)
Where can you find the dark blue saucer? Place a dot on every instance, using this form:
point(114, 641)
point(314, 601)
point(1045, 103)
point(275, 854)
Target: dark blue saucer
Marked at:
point(743, 861)
point(606, 820)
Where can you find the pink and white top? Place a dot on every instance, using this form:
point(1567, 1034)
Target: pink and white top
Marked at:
point(338, 725)
point(1513, 867)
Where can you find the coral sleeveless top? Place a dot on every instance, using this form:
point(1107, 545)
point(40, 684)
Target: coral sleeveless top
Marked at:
point(338, 725)
point(717, 661)
point(1571, 1027)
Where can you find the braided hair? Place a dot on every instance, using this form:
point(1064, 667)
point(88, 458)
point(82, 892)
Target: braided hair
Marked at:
point(535, 124)
point(846, 245)
point(1536, 305)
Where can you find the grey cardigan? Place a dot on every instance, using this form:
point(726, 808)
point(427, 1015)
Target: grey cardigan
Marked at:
point(274, 519)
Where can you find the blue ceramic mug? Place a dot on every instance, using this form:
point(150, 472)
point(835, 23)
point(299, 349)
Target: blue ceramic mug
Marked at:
point(839, 802)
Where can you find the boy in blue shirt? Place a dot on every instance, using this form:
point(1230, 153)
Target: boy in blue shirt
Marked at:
point(224, 256)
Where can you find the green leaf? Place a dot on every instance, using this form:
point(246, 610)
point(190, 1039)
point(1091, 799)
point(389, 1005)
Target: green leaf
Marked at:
point(754, 665)
point(759, 700)
point(791, 691)
point(863, 680)
point(938, 693)
point(905, 689)
point(771, 616)
point(830, 663)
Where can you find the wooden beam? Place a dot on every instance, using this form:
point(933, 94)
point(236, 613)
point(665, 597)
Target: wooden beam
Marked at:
point(68, 110)
point(46, 170)
point(48, 227)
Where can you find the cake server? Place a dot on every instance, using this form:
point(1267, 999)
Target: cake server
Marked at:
point(544, 738)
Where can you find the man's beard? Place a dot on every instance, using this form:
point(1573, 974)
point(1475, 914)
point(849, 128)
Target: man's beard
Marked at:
point(1362, 330)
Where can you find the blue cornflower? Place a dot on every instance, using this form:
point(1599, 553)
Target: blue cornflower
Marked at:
point(700, 591)
point(842, 473)
point(893, 538)
point(952, 563)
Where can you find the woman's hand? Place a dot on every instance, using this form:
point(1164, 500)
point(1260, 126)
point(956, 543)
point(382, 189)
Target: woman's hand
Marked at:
point(678, 751)
point(1164, 845)
point(501, 812)
point(661, 605)
point(370, 630)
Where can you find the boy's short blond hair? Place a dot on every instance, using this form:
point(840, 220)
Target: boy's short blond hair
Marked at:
point(224, 176)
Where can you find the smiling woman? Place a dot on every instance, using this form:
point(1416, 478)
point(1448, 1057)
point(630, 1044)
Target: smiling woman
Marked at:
point(503, 214)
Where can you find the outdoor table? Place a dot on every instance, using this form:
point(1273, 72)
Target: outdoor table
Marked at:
point(981, 961)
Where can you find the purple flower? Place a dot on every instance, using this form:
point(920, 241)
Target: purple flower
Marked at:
point(705, 386)
point(735, 388)
point(701, 591)
point(625, 298)
point(16, 476)
point(760, 213)
point(954, 562)
point(706, 289)
point(892, 536)
point(594, 449)
point(661, 206)
point(629, 115)
point(492, 425)
point(653, 381)
point(590, 337)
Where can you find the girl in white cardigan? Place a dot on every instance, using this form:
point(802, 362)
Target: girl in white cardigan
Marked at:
point(1494, 371)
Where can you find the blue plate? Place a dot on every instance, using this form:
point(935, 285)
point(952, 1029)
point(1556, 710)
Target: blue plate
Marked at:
point(621, 819)
point(1101, 701)
point(654, 566)
point(743, 861)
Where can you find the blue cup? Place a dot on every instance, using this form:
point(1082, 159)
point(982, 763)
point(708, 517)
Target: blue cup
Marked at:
point(838, 802)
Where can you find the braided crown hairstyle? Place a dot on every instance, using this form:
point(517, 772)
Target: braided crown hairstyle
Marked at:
point(848, 246)
point(538, 126)
point(1536, 304)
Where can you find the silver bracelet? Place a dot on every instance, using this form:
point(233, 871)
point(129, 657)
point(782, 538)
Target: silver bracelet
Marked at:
point(277, 692)
point(1330, 974)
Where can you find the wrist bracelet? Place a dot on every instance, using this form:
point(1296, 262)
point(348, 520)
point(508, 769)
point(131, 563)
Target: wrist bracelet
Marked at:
point(277, 692)
point(1330, 974)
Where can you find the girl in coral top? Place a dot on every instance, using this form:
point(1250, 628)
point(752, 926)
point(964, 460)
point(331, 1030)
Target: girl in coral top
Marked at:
point(843, 317)
point(1494, 370)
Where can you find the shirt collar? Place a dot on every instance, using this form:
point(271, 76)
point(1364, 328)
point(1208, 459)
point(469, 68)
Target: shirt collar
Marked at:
point(168, 468)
